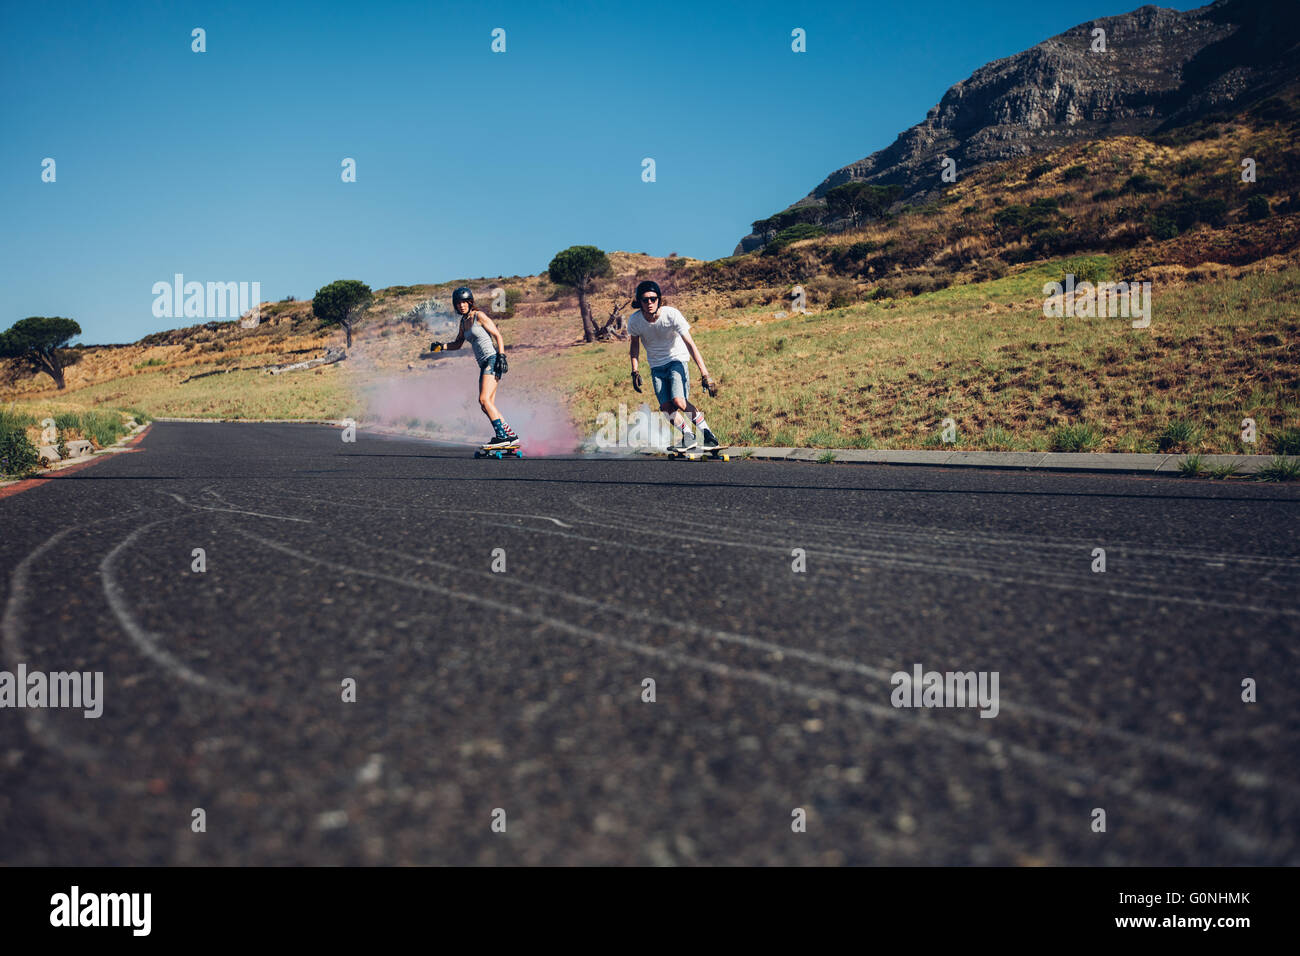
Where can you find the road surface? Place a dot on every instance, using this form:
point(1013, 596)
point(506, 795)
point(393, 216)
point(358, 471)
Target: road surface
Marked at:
point(500, 715)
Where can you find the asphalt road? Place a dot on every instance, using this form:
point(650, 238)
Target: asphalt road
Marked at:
point(522, 690)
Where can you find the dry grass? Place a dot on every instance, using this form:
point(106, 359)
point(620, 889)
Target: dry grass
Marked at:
point(886, 374)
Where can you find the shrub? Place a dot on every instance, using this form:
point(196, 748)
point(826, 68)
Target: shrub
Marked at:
point(1074, 438)
point(1040, 170)
point(1141, 183)
point(1162, 227)
point(1286, 442)
point(1018, 219)
point(18, 456)
point(1279, 469)
point(802, 230)
point(1092, 270)
point(1257, 208)
point(1178, 436)
point(920, 284)
point(1072, 173)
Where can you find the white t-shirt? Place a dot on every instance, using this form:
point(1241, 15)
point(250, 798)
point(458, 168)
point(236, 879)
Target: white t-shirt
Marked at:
point(662, 338)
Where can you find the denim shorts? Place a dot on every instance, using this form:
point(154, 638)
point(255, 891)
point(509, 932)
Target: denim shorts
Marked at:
point(671, 382)
point(488, 366)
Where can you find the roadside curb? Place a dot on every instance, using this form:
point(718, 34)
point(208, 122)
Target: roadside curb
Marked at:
point(127, 443)
point(258, 421)
point(1017, 460)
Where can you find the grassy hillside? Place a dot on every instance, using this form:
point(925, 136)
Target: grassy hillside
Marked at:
point(927, 314)
point(1222, 346)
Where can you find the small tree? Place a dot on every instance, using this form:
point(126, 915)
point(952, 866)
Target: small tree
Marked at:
point(341, 303)
point(37, 340)
point(579, 267)
point(857, 201)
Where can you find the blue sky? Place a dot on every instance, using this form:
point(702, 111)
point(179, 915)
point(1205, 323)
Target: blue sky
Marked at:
point(225, 165)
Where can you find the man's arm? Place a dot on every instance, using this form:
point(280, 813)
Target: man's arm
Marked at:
point(695, 353)
point(635, 351)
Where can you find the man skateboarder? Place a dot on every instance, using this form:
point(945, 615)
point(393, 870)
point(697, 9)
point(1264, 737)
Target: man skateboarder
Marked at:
point(669, 346)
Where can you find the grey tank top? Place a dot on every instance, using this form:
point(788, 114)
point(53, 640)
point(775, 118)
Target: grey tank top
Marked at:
point(480, 342)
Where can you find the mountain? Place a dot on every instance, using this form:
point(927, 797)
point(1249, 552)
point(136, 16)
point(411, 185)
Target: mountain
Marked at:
point(1161, 69)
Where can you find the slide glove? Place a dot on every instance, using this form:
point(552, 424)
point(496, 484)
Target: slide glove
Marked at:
point(436, 346)
point(710, 386)
point(502, 366)
point(636, 381)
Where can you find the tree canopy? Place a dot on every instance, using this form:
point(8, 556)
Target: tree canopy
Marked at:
point(857, 201)
point(579, 267)
point(38, 340)
point(340, 302)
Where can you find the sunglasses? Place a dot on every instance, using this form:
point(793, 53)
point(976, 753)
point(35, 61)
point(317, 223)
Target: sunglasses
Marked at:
point(649, 298)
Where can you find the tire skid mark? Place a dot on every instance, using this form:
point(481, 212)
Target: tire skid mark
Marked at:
point(12, 626)
point(1165, 748)
point(145, 641)
point(1174, 751)
point(1064, 581)
point(947, 536)
point(675, 658)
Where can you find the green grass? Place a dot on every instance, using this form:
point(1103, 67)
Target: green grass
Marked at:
point(1191, 466)
point(997, 438)
point(1279, 469)
point(1075, 438)
point(1223, 471)
point(826, 458)
point(984, 354)
point(1286, 442)
point(1178, 436)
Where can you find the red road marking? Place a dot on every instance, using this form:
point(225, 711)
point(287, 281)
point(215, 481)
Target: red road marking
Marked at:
point(29, 483)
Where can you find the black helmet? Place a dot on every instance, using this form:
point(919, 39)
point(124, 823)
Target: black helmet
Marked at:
point(648, 285)
point(461, 295)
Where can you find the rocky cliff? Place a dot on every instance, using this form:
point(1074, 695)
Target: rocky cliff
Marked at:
point(1160, 68)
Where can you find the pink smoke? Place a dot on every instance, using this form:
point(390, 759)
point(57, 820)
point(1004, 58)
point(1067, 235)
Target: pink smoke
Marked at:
point(442, 394)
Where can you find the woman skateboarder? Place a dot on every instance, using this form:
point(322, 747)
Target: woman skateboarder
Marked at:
point(490, 353)
point(669, 346)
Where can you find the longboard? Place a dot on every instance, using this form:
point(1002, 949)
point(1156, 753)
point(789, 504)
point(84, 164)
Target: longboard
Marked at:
point(717, 454)
point(500, 452)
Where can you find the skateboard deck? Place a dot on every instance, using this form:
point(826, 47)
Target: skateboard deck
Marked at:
point(718, 454)
point(507, 451)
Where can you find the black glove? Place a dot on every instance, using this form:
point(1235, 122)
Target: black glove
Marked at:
point(710, 386)
point(436, 346)
point(502, 365)
point(636, 381)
